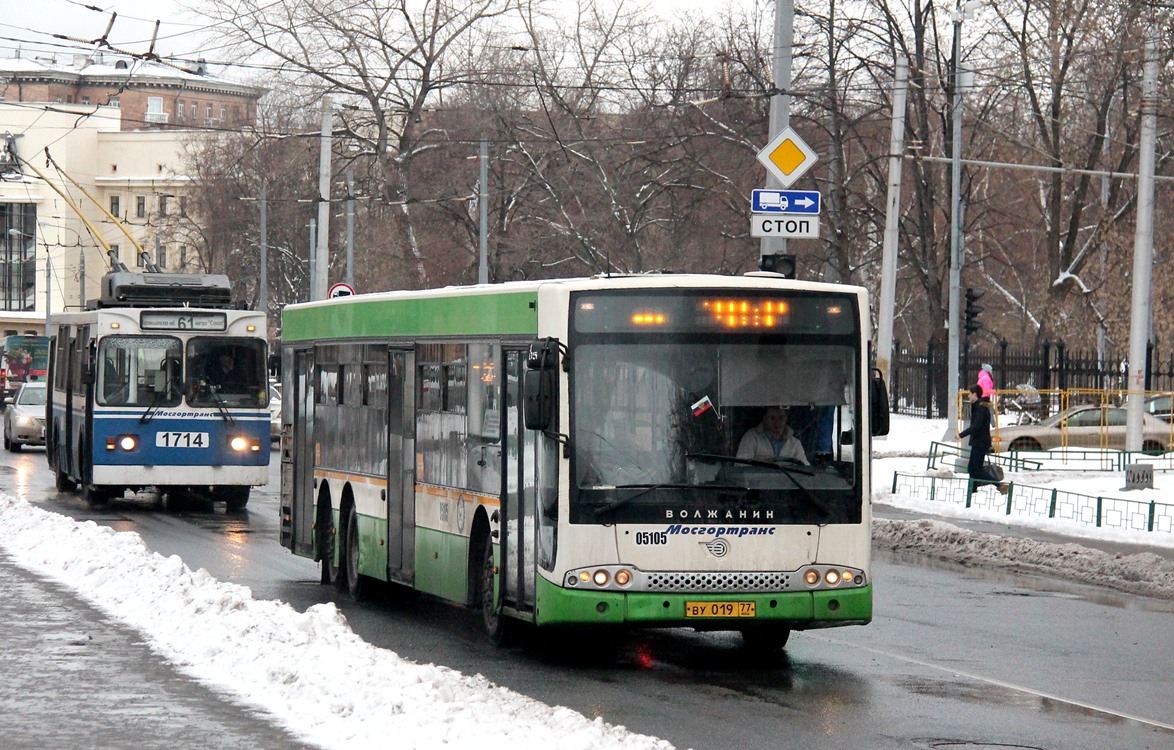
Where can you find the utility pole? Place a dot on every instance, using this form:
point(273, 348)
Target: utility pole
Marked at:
point(81, 278)
point(350, 229)
point(888, 290)
point(263, 241)
point(313, 256)
point(318, 280)
point(1143, 249)
point(780, 102)
point(483, 213)
point(956, 249)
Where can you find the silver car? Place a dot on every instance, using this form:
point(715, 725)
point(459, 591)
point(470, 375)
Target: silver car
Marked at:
point(24, 419)
point(1084, 427)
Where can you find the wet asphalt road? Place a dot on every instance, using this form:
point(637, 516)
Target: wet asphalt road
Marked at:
point(956, 658)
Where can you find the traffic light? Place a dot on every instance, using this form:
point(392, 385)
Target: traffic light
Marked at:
point(778, 263)
point(972, 310)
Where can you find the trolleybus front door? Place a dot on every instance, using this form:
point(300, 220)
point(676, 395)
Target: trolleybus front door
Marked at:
point(518, 499)
point(401, 466)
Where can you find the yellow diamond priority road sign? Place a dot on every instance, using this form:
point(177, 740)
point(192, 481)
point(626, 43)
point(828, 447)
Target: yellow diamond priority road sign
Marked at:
point(787, 157)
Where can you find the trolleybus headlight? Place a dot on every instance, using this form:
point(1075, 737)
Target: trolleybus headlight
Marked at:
point(600, 578)
point(832, 577)
point(239, 443)
point(127, 442)
point(584, 576)
point(623, 577)
point(811, 577)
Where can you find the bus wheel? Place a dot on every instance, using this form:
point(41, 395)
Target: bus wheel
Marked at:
point(495, 624)
point(354, 581)
point(327, 536)
point(765, 640)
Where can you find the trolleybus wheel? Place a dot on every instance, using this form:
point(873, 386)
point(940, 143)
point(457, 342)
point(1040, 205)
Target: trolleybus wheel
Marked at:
point(235, 498)
point(764, 640)
point(95, 497)
point(62, 481)
point(496, 625)
point(354, 581)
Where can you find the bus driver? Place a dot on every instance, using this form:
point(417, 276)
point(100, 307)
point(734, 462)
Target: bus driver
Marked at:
point(772, 440)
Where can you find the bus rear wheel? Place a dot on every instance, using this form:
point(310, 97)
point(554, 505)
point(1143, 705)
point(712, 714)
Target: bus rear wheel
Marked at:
point(354, 580)
point(327, 536)
point(235, 498)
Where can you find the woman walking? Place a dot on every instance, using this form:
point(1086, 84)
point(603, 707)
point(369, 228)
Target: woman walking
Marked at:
point(979, 433)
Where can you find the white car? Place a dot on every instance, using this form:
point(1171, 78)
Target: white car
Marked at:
point(274, 413)
point(24, 419)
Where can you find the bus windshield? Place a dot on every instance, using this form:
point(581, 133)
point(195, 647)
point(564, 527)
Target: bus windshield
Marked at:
point(736, 428)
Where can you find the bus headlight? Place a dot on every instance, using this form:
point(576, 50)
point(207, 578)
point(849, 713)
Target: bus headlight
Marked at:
point(128, 442)
point(811, 577)
point(600, 578)
point(832, 577)
point(239, 444)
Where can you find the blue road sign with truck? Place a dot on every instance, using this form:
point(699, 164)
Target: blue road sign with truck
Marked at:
point(785, 202)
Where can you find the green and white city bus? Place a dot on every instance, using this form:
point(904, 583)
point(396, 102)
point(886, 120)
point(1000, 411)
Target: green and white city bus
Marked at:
point(566, 452)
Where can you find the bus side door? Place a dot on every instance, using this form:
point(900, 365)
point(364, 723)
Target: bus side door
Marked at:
point(401, 465)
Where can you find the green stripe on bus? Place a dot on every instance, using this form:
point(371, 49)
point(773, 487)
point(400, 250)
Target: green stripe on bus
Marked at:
point(797, 609)
point(481, 314)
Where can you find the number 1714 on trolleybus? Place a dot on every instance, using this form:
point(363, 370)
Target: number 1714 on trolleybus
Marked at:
point(625, 451)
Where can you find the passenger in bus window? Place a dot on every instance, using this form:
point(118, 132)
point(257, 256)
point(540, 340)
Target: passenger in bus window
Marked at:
point(772, 439)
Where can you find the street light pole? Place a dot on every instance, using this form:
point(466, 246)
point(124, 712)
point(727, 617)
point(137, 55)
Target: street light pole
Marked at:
point(955, 235)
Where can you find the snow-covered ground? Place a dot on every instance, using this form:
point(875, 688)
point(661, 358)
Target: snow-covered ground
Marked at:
point(317, 678)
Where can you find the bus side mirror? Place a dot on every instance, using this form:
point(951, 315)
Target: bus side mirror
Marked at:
point(539, 385)
point(878, 398)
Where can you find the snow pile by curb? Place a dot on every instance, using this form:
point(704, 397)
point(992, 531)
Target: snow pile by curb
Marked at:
point(1143, 573)
point(308, 670)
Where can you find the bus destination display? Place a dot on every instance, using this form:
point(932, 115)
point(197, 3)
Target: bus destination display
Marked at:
point(176, 320)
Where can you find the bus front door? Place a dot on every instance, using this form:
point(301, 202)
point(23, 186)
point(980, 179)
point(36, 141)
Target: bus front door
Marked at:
point(401, 466)
point(518, 500)
point(301, 462)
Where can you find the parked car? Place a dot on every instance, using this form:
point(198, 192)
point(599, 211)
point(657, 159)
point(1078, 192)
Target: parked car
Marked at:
point(274, 413)
point(1159, 406)
point(1085, 426)
point(24, 417)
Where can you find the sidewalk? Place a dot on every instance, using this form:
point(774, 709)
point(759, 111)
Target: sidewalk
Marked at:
point(72, 678)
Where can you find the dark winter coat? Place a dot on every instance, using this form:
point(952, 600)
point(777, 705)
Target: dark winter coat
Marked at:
point(979, 430)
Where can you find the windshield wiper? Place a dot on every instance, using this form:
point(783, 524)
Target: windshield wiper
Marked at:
point(620, 502)
point(789, 471)
point(798, 468)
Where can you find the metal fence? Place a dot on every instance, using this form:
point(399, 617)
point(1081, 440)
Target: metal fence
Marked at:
point(1027, 501)
point(918, 379)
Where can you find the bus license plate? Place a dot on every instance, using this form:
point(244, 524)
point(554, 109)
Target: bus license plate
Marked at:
point(719, 609)
point(181, 440)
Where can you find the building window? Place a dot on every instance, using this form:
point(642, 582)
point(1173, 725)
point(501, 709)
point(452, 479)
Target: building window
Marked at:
point(209, 110)
point(162, 259)
point(183, 205)
point(140, 207)
point(223, 112)
point(155, 113)
point(183, 257)
point(85, 100)
point(113, 102)
point(179, 113)
point(163, 205)
point(115, 205)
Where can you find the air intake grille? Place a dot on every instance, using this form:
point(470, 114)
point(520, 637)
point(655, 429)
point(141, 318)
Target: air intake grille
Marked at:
point(710, 582)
